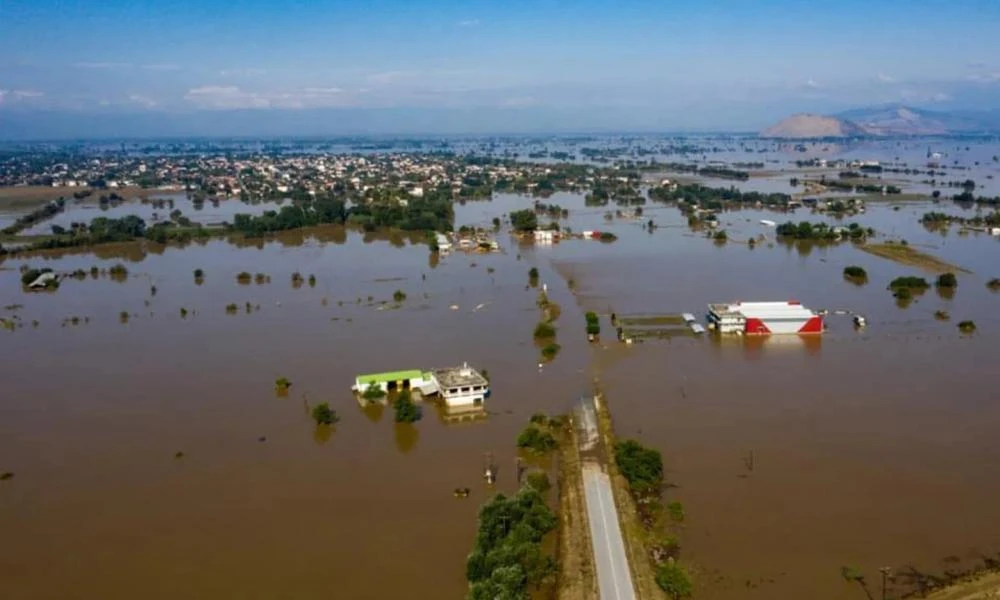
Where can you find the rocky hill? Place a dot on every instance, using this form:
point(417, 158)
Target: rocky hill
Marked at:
point(812, 126)
point(882, 121)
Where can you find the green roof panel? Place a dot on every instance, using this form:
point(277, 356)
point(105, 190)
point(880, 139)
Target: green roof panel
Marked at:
point(389, 376)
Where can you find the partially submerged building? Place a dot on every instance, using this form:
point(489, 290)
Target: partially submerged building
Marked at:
point(458, 387)
point(764, 318)
point(394, 381)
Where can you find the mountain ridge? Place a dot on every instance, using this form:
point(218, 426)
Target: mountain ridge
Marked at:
point(886, 120)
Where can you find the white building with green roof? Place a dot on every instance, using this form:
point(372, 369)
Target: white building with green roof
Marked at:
point(413, 379)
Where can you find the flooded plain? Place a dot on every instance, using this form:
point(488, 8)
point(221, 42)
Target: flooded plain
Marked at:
point(872, 448)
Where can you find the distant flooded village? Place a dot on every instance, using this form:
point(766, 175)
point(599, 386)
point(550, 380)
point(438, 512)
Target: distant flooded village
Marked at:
point(723, 365)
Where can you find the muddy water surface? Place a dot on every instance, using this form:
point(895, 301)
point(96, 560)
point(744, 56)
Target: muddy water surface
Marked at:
point(871, 448)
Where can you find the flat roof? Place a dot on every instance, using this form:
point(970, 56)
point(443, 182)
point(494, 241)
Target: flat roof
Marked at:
point(459, 377)
point(390, 376)
point(763, 310)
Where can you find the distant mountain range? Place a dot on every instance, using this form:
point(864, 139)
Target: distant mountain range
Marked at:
point(884, 121)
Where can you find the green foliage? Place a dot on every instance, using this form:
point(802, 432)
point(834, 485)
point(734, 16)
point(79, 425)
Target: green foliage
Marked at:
point(941, 315)
point(544, 330)
point(282, 383)
point(947, 280)
point(231, 308)
point(855, 272)
point(591, 317)
point(30, 275)
point(406, 410)
point(607, 236)
point(993, 284)
point(642, 467)
point(593, 328)
point(123, 316)
point(324, 415)
point(312, 281)
point(539, 480)
point(539, 418)
point(533, 273)
point(676, 511)
point(536, 439)
point(119, 272)
point(549, 351)
point(524, 220)
point(674, 580)
point(851, 573)
point(199, 273)
point(244, 277)
point(966, 326)
point(373, 392)
point(399, 296)
point(720, 236)
point(508, 557)
point(909, 283)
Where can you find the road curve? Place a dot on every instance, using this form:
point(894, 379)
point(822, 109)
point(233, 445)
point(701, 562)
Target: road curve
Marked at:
point(614, 579)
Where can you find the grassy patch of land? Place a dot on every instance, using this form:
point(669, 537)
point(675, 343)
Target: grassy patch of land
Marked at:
point(32, 196)
point(985, 587)
point(908, 255)
point(577, 578)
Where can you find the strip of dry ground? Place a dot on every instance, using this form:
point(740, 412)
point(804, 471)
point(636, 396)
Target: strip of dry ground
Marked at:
point(577, 577)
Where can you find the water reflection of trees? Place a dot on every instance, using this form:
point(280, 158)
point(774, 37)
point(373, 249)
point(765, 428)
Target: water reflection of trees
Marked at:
point(406, 436)
point(322, 434)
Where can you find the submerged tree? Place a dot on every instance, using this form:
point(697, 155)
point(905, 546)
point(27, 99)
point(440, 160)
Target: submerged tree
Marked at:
point(324, 415)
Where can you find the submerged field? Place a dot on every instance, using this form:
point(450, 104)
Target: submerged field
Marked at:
point(871, 448)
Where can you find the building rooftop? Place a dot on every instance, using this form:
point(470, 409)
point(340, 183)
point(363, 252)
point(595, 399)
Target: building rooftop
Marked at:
point(762, 310)
point(390, 376)
point(459, 377)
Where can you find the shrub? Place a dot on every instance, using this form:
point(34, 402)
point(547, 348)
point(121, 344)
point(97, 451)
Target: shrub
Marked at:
point(591, 317)
point(544, 330)
point(607, 236)
point(941, 315)
point(324, 415)
point(674, 580)
point(123, 316)
point(676, 511)
point(966, 326)
point(533, 273)
point(312, 281)
point(406, 410)
point(199, 274)
point(642, 467)
point(536, 439)
point(29, 275)
point(909, 282)
point(539, 480)
point(373, 392)
point(399, 296)
point(118, 272)
point(720, 236)
point(855, 272)
point(243, 277)
point(947, 280)
point(551, 350)
point(993, 284)
point(282, 383)
point(232, 308)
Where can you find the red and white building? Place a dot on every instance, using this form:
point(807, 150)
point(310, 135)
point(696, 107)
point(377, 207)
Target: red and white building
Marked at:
point(764, 318)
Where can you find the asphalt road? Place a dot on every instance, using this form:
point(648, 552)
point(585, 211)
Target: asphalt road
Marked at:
point(614, 579)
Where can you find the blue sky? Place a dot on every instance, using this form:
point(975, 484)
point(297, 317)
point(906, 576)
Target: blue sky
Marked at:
point(496, 66)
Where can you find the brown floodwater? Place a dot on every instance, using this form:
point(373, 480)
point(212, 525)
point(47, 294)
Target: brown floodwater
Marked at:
point(872, 448)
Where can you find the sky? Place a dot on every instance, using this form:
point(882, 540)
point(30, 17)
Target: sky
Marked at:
point(264, 67)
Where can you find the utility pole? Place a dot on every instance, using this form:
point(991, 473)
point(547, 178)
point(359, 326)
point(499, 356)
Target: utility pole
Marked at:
point(885, 574)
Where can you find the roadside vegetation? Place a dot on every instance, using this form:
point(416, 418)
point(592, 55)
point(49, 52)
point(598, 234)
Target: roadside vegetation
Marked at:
point(538, 435)
point(593, 325)
point(508, 560)
point(642, 468)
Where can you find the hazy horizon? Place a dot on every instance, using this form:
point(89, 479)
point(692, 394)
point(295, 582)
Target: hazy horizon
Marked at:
point(440, 67)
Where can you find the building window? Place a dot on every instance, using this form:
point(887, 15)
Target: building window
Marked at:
point(465, 390)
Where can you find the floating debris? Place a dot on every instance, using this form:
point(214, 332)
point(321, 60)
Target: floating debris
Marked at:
point(462, 492)
point(6, 475)
point(178, 455)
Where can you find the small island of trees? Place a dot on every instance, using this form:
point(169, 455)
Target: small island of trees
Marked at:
point(855, 274)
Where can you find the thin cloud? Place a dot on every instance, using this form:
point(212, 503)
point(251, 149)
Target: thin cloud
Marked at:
point(811, 84)
point(242, 72)
point(144, 101)
point(317, 90)
point(985, 77)
point(229, 97)
point(883, 78)
point(468, 23)
point(161, 67)
point(102, 65)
